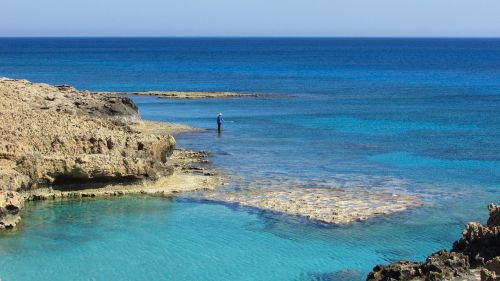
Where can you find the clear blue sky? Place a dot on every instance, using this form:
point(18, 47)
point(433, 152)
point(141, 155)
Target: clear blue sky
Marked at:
point(453, 18)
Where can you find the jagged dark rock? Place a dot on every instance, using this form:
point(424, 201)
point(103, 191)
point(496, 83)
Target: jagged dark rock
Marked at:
point(481, 243)
point(441, 265)
point(477, 251)
point(491, 270)
point(494, 219)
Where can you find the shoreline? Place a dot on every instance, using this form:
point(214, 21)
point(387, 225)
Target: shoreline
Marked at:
point(101, 147)
point(58, 142)
point(188, 176)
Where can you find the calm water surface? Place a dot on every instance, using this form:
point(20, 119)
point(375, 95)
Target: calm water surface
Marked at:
point(413, 115)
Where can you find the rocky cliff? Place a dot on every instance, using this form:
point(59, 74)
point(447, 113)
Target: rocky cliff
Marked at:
point(59, 137)
point(476, 256)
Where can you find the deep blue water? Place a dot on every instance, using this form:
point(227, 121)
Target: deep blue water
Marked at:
point(417, 115)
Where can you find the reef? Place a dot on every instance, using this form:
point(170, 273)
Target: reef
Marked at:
point(185, 95)
point(326, 205)
point(475, 256)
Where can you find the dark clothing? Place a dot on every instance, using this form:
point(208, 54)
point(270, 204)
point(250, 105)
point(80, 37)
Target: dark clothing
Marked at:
point(219, 122)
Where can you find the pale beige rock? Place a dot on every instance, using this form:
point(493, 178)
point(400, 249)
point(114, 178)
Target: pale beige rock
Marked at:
point(83, 143)
point(330, 205)
point(161, 128)
point(186, 95)
point(10, 204)
point(61, 134)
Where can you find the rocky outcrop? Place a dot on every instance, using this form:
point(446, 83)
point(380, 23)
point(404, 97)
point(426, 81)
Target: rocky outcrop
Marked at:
point(477, 251)
point(57, 136)
point(491, 270)
point(481, 243)
point(441, 265)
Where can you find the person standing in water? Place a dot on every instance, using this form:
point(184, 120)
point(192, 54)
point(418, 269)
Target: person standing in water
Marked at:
point(219, 121)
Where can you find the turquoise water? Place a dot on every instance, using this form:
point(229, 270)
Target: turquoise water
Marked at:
point(413, 115)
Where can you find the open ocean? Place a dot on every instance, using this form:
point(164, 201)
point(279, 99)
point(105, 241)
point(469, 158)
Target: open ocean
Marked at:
point(413, 115)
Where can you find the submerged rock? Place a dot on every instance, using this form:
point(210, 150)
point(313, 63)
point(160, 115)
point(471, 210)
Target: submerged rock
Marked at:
point(187, 95)
point(477, 250)
point(328, 205)
point(340, 275)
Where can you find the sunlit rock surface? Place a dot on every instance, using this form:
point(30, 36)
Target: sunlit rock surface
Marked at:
point(330, 205)
point(57, 136)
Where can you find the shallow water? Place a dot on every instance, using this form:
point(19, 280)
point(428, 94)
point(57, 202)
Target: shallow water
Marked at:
point(412, 115)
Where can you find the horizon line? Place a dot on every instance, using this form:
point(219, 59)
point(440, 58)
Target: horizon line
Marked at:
point(242, 37)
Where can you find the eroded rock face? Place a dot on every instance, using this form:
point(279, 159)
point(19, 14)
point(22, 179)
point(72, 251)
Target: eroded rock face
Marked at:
point(494, 219)
point(491, 270)
point(481, 243)
point(10, 205)
point(401, 270)
point(479, 249)
point(51, 135)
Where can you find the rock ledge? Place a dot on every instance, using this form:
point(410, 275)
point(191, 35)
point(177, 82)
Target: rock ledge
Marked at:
point(56, 141)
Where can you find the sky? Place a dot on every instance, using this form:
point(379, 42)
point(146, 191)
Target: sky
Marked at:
point(331, 18)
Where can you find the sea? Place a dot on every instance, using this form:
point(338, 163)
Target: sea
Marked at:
point(411, 115)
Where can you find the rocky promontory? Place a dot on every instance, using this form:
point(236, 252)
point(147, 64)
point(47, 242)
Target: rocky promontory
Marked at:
point(476, 256)
point(56, 140)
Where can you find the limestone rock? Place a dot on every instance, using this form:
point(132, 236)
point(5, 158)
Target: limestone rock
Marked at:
point(326, 205)
point(57, 135)
point(10, 205)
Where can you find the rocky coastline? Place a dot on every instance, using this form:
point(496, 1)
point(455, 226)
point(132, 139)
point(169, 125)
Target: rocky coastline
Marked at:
point(475, 256)
point(59, 142)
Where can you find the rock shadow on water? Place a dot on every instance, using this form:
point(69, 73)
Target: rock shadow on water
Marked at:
point(65, 183)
